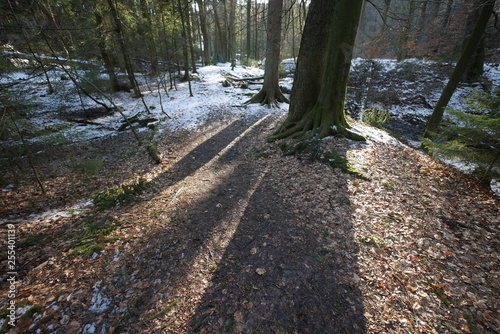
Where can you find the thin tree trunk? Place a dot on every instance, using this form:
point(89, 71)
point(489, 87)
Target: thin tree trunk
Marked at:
point(447, 15)
point(220, 43)
point(204, 32)
point(232, 33)
point(249, 32)
point(150, 39)
point(187, 77)
point(106, 57)
point(458, 72)
point(123, 49)
point(405, 33)
point(28, 44)
point(189, 32)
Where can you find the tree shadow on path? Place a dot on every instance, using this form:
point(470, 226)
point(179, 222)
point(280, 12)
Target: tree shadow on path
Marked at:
point(291, 265)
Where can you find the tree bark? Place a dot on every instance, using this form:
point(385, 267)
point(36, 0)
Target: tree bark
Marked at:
point(106, 57)
point(312, 58)
point(220, 40)
point(123, 49)
point(271, 94)
point(327, 116)
point(150, 39)
point(232, 33)
point(458, 72)
point(189, 32)
point(475, 65)
point(249, 32)
point(204, 32)
point(405, 33)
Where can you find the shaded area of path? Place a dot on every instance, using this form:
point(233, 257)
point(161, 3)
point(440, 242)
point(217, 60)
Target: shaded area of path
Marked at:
point(283, 272)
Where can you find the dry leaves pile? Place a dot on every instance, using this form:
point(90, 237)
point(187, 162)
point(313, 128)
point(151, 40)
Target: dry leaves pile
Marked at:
point(233, 237)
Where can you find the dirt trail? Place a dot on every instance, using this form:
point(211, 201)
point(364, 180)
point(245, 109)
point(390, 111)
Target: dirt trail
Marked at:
point(233, 237)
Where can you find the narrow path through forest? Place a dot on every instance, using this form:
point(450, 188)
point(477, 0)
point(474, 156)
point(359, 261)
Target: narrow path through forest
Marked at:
point(231, 236)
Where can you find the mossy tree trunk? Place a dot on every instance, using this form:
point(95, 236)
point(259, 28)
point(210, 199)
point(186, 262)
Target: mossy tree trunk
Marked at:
point(271, 94)
point(456, 76)
point(311, 59)
point(324, 115)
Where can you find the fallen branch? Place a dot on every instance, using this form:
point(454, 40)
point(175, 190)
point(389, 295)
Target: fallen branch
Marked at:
point(82, 121)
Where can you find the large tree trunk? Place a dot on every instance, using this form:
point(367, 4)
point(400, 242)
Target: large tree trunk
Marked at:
point(458, 72)
point(271, 94)
point(327, 117)
point(312, 58)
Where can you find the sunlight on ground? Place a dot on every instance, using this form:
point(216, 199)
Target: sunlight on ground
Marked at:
point(216, 175)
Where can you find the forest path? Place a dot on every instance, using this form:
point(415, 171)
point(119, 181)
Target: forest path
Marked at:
point(230, 236)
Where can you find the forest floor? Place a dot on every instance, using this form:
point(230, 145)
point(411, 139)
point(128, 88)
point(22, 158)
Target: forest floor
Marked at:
point(229, 236)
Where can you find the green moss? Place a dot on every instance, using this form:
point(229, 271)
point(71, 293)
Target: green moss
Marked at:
point(89, 167)
point(198, 322)
point(93, 238)
point(109, 198)
point(388, 185)
point(337, 161)
point(376, 115)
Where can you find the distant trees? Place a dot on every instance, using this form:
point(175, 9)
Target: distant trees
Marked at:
point(404, 29)
point(220, 30)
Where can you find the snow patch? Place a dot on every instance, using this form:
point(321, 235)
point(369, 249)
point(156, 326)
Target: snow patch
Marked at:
point(100, 303)
point(495, 186)
point(89, 329)
point(56, 214)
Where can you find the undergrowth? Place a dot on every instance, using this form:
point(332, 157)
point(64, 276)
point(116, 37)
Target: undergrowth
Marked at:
point(94, 237)
point(119, 194)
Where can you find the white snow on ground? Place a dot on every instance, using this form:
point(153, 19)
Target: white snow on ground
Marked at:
point(495, 186)
point(100, 303)
point(56, 214)
point(176, 110)
point(184, 112)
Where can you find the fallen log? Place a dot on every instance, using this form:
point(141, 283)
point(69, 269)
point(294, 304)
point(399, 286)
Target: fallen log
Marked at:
point(142, 122)
point(82, 121)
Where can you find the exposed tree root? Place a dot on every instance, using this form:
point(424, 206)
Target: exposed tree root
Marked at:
point(318, 123)
point(269, 97)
